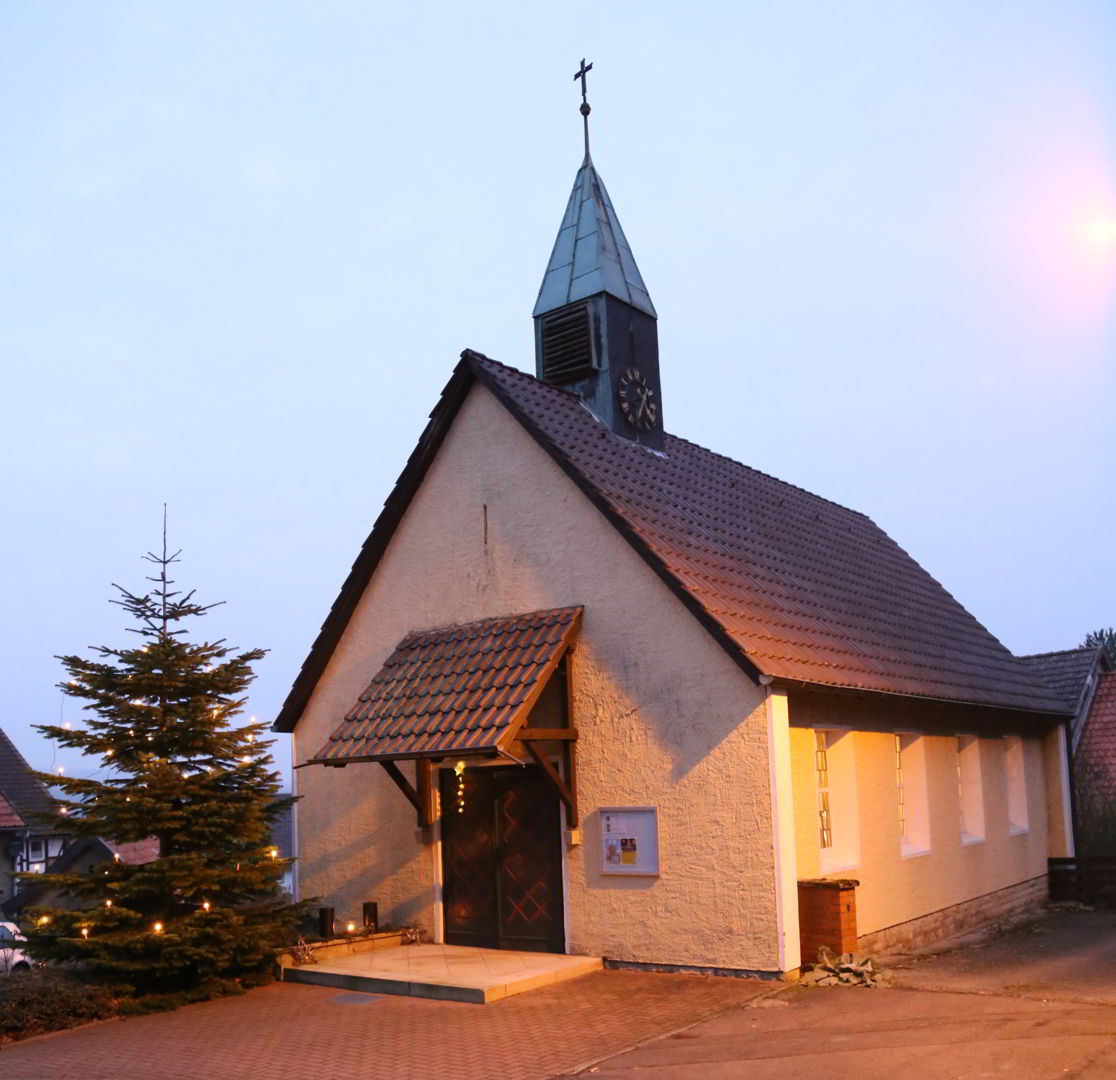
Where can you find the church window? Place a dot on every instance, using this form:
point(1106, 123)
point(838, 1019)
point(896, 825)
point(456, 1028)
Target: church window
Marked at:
point(912, 794)
point(1016, 781)
point(970, 789)
point(824, 822)
point(838, 823)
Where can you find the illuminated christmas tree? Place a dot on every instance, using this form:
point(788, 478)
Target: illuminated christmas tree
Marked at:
point(207, 911)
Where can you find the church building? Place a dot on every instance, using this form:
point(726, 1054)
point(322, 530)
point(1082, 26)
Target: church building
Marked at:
point(591, 688)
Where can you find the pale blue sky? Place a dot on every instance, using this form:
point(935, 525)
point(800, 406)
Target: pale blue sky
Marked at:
point(243, 243)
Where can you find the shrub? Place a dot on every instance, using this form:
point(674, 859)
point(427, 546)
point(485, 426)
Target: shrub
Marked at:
point(49, 1000)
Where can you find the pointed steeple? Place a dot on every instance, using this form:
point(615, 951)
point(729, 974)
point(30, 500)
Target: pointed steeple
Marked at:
point(591, 254)
point(596, 330)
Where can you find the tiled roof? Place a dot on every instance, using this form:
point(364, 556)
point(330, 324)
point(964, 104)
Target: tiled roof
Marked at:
point(789, 584)
point(136, 852)
point(1065, 672)
point(453, 690)
point(23, 791)
point(9, 819)
point(1096, 753)
point(805, 589)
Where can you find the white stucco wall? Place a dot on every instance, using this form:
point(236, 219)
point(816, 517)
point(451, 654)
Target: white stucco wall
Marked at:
point(665, 717)
point(893, 888)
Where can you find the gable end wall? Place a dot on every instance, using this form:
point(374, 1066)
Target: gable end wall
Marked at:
point(665, 717)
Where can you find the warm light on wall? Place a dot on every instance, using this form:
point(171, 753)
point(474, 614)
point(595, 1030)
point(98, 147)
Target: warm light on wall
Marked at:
point(157, 928)
point(350, 927)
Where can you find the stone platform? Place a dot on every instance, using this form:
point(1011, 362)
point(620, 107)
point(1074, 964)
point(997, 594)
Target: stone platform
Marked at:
point(446, 972)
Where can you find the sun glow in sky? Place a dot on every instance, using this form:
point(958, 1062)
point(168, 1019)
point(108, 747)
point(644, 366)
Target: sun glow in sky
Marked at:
point(1101, 233)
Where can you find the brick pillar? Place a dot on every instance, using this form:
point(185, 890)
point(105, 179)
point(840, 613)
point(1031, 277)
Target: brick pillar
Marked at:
point(826, 916)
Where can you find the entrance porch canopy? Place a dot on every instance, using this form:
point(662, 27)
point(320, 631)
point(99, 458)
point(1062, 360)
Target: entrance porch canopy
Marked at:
point(458, 691)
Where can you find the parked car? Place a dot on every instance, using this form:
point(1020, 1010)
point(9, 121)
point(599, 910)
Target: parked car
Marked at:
point(12, 957)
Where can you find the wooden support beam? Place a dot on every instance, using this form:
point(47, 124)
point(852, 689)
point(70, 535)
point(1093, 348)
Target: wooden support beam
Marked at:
point(543, 734)
point(404, 785)
point(424, 773)
point(556, 781)
point(569, 749)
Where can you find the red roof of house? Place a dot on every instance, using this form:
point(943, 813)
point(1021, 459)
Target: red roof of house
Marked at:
point(791, 585)
point(9, 819)
point(137, 852)
point(455, 689)
point(1096, 752)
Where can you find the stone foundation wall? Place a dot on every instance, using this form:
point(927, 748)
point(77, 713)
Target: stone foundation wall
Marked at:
point(1003, 905)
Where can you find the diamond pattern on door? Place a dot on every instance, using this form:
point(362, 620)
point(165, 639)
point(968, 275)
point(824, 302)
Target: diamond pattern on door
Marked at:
point(502, 859)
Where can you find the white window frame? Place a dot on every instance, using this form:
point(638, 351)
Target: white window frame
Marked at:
point(913, 797)
point(1015, 785)
point(970, 790)
point(840, 759)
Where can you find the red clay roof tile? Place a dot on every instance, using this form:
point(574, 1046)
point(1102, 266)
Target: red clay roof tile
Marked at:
point(9, 819)
point(1096, 752)
point(806, 589)
point(453, 689)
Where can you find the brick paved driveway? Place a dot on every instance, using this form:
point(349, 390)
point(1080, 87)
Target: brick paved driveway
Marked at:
point(291, 1032)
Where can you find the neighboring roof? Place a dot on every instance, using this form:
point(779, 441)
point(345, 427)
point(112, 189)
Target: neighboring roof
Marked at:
point(1096, 752)
point(1066, 672)
point(591, 254)
point(454, 690)
point(791, 585)
point(136, 852)
point(85, 849)
point(9, 819)
point(19, 785)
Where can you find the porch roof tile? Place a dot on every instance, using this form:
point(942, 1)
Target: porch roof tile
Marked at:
point(454, 689)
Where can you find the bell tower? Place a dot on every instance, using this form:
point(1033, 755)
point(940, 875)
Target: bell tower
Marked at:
point(595, 326)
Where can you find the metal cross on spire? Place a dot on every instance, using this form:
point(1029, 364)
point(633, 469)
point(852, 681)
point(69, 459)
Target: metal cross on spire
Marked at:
point(585, 108)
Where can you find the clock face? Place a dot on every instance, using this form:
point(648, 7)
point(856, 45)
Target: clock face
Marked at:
point(637, 399)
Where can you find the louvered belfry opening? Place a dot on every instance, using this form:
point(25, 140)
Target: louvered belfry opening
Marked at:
point(567, 344)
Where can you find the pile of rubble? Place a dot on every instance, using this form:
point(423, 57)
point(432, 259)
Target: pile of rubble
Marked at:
point(848, 969)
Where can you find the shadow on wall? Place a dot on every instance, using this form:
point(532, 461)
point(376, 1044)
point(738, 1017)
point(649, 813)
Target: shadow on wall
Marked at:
point(359, 867)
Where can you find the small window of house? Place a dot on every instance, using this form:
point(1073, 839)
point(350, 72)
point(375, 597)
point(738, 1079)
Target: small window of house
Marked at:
point(970, 790)
point(1016, 781)
point(838, 824)
point(913, 802)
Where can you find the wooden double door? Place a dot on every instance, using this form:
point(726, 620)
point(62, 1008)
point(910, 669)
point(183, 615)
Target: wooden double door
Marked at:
point(502, 859)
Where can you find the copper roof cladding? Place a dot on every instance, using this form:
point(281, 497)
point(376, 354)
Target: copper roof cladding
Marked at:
point(454, 690)
point(789, 584)
point(9, 819)
point(1066, 672)
point(1096, 753)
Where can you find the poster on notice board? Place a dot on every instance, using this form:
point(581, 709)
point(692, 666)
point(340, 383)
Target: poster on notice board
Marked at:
point(630, 840)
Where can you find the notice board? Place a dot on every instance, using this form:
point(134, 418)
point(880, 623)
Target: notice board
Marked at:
point(630, 840)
